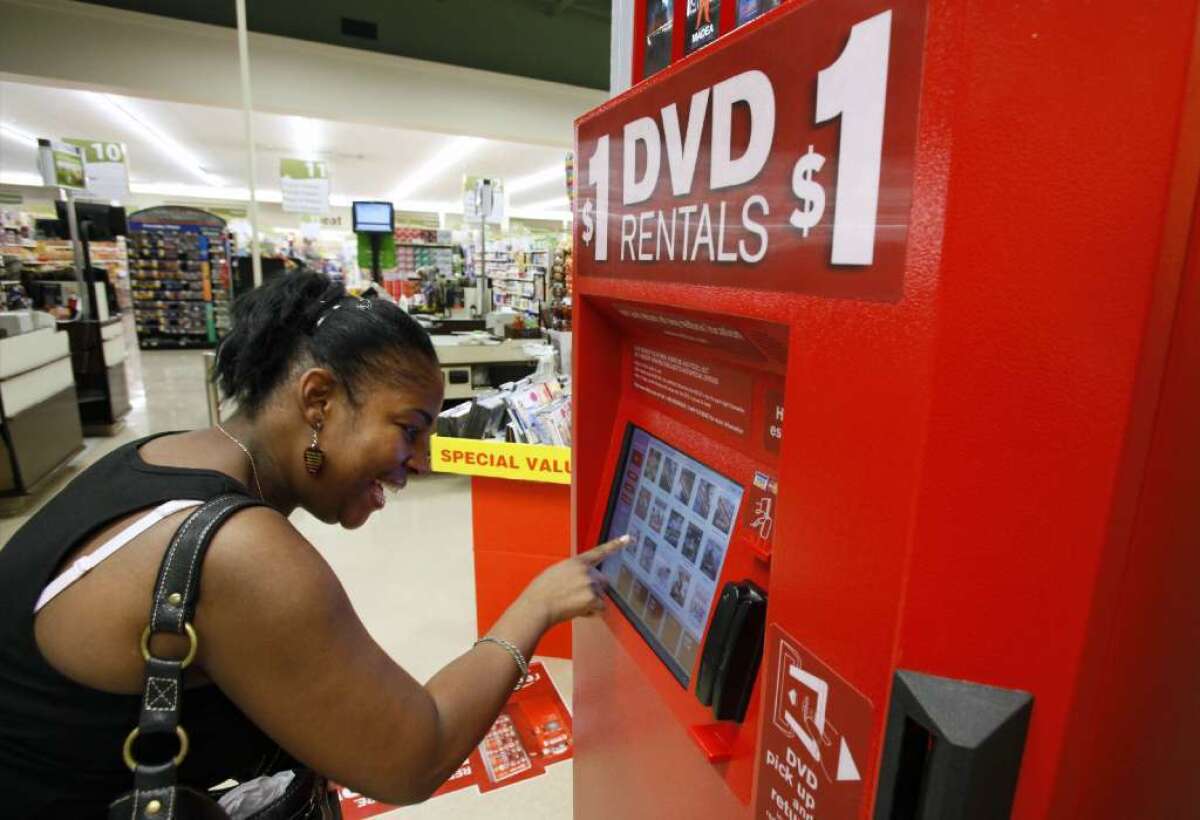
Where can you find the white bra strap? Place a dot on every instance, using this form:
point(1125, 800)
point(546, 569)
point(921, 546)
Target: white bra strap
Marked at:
point(85, 564)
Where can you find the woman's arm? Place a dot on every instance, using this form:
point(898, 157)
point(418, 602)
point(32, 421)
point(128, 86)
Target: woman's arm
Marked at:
point(279, 636)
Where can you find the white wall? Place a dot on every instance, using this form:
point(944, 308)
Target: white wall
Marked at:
point(82, 45)
point(620, 59)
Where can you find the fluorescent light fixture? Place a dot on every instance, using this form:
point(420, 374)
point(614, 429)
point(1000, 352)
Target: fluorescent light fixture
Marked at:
point(17, 135)
point(172, 189)
point(559, 203)
point(306, 137)
point(20, 178)
point(166, 144)
point(536, 180)
point(451, 154)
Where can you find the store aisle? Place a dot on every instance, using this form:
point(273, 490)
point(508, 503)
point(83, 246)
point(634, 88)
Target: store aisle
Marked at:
point(408, 571)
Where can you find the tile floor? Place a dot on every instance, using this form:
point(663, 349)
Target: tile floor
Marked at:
point(409, 573)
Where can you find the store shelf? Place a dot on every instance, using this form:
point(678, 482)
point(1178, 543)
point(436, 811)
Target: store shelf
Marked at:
point(180, 277)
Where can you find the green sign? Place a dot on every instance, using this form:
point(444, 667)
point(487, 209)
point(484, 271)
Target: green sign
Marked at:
point(61, 164)
point(303, 169)
point(304, 185)
point(94, 151)
point(104, 167)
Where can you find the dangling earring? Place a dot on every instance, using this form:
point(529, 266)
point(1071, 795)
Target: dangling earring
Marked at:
point(314, 456)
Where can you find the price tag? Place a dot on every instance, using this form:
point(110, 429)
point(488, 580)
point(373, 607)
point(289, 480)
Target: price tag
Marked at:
point(105, 166)
point(304, 185)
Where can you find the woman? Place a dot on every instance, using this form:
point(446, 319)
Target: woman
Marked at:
point(336, 399)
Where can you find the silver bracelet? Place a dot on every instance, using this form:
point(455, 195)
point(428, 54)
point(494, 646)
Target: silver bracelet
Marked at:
point(515, 653)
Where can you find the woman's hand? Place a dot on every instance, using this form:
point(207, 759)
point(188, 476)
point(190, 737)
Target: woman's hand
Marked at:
point(574, 587)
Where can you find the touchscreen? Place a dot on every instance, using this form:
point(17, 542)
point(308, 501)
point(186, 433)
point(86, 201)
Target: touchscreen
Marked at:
point(679, 514)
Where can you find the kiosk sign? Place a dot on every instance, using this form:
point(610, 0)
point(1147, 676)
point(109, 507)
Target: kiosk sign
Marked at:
point(780, 163)
point(814, 737)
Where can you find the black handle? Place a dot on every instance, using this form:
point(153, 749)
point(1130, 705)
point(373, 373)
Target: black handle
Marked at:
point(952, 750)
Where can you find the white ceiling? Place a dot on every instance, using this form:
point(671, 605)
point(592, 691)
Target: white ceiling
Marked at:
point(192, 150)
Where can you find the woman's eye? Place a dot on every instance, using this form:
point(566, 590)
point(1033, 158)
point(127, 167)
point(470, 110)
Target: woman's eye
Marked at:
point(411, 433)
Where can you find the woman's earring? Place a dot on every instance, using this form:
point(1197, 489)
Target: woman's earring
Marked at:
point(314, 456)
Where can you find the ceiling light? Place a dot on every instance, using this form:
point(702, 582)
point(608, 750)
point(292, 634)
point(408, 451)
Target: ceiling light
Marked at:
point(306, 137)
point(156, 136)
point(559, 203)
point(542, 177)
point(20, 178)
point(17, 135)
point(452, 153)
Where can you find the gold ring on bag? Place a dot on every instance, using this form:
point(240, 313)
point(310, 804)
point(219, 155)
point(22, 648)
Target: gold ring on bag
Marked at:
point(191, 653)
point(127, 751)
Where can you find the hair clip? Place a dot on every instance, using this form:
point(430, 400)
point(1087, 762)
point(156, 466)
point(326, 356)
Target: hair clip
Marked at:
point(326, 316)
point(364, 304)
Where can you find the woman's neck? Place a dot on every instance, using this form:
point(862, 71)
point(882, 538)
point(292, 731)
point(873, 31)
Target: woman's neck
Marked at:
point(265, 464)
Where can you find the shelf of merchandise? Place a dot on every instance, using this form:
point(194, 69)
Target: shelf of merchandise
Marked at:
point(558, 290)
point(110, 255)
point(179, 264)
point(57, 254)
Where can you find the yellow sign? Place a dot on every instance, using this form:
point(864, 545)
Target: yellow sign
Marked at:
point(499, 459)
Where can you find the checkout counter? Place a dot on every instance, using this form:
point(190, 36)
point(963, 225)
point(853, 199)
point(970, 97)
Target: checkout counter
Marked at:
point(40, 428)
point(474, 364)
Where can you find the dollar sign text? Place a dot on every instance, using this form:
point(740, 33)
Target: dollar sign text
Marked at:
point(589, 227)
point(809, 192)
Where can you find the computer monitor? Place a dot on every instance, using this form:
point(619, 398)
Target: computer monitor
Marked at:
point(105, 222)
point(374, 217)
point(680, 514)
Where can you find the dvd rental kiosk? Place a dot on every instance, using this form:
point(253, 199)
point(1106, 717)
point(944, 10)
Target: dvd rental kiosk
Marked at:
point(956, 243)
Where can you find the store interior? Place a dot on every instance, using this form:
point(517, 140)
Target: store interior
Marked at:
point(144, 279)
point(636, 233)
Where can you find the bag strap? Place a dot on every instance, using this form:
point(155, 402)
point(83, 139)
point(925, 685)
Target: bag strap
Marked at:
point(176, 593)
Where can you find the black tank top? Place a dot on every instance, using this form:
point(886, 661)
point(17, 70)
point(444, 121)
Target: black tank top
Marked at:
point(60, 742)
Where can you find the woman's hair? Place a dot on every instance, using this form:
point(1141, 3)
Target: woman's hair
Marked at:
point(305, 319)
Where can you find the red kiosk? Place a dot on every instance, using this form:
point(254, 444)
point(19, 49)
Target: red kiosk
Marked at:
point(958, 243)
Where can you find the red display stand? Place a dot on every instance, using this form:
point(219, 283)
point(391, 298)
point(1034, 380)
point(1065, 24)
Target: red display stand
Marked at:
point(520, 529)
point(520, 520)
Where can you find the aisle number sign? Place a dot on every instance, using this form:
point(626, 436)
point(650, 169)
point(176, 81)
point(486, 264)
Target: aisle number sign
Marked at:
point(500, 459)
point(106, 167)
point(61, 165)
point(304, 185)
point(781, 160)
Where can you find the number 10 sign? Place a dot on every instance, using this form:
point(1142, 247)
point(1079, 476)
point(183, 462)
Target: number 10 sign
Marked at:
point(778, 159)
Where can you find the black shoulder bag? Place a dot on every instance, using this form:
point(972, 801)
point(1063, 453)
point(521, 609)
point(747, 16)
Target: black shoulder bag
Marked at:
point(156, 791)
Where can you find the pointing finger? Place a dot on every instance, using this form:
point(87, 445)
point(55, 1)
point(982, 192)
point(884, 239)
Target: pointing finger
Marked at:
point(594, 556)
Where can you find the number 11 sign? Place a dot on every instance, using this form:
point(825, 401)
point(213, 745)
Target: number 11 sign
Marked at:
point(779, 159)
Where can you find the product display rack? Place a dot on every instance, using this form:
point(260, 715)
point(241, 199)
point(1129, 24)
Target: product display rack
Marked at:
point(179, 277)
point(521, 283)
point(558, 307)
point(413, 255)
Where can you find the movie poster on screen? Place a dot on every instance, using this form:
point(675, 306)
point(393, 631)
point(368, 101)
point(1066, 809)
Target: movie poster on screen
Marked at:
point(703, 24)
point(747, 10)
point(660, 19)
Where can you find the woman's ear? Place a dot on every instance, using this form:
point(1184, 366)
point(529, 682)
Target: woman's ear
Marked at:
point(316, 388)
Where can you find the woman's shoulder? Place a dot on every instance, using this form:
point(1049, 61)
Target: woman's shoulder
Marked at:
point(260, 565)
